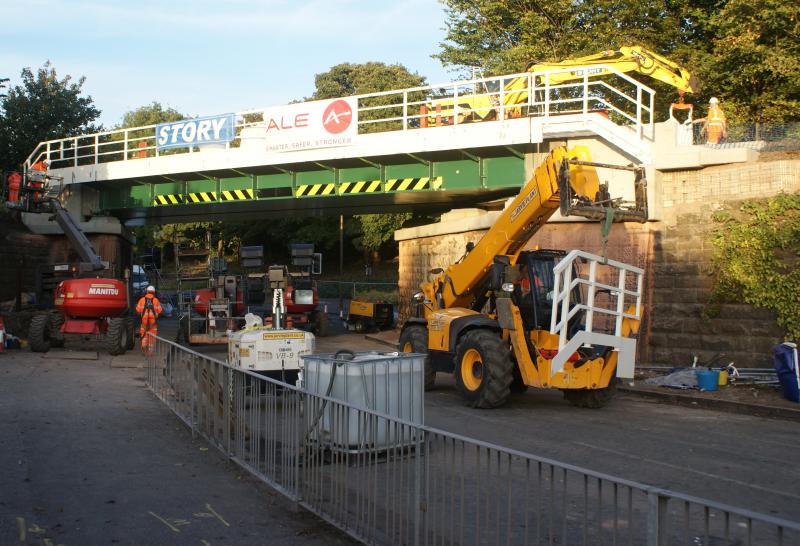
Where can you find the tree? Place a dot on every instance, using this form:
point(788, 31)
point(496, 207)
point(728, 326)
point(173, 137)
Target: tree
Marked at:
point(374, 230)
point(41, 108)
point(150, 114)
point(358, 79)
point(503, 36)
point(752, 60)
point(745, 52)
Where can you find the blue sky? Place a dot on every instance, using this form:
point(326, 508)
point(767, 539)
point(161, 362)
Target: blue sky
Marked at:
point(205, 57)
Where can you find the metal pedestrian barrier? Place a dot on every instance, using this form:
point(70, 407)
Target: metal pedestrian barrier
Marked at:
point(420, 485)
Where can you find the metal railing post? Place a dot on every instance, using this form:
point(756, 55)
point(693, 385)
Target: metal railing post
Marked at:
point(96, 145)
point(125, 146)
point(455, 104)
point(585, 92)
point(75, 144)
point(502, 115)
point(639, 128)
point(656, 519)
point(405, 110)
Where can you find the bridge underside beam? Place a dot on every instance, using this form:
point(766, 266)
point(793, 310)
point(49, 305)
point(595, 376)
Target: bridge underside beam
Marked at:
point(244, 210)
point(425, 183)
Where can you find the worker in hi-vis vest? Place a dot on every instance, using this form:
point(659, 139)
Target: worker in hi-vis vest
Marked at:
point(715, 124)
point(148, 308)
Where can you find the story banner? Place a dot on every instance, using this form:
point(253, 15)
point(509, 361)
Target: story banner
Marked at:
point(307, 125)
point(196, 132)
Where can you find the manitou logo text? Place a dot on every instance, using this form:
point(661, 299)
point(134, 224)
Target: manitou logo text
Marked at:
point(103, 290)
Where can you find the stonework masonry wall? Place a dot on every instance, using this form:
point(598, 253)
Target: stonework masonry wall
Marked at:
point(675, 253)
point(23, 253)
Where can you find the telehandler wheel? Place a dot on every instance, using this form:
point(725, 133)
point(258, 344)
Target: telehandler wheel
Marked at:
point(117, 336)
point(55, 320)
point(483, 369)
point(414, 339)
point(592, 398)
point(39, 333)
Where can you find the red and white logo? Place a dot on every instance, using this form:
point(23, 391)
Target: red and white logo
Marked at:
point(337, 117)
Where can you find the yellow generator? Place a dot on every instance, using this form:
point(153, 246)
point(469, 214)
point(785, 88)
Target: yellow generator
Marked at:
point(366, 316)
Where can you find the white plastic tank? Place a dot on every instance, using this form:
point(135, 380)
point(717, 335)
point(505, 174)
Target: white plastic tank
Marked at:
point(390, 383)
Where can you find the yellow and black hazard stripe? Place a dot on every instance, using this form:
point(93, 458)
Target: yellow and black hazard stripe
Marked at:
point(363, 186)
point(235, 195)
point(311, 190)
point(202, 197)
point(413, 184)
point(171, 199)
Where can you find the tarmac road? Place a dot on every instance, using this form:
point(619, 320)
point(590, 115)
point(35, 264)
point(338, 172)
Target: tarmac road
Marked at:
point(90, 456)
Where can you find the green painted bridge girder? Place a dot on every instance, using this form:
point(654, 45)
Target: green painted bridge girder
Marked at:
point(478, 175)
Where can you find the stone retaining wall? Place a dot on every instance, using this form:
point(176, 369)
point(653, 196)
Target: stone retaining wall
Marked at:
point(675, 253)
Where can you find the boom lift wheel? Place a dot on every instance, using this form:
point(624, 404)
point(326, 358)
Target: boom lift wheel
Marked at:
point(117, 335)
point(414, 339)
point(483, 369)
point(130, 325)
point(39, 333)
point(55, 320)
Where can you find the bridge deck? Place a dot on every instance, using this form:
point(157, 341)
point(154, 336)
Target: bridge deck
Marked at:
point(427, 148)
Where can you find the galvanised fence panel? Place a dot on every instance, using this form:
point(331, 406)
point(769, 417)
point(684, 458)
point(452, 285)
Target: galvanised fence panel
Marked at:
point(388, 481)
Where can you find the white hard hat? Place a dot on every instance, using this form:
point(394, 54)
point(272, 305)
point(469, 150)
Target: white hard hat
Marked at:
point(151, 288)
point(713, 100)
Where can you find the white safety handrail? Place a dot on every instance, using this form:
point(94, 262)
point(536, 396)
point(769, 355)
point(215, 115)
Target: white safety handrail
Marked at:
point(565, 307)
point(623, 99)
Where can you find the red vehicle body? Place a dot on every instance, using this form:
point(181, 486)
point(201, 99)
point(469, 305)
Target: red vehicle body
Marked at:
point(204, 295)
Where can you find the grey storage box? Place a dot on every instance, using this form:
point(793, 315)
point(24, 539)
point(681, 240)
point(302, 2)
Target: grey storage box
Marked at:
point(388, 383)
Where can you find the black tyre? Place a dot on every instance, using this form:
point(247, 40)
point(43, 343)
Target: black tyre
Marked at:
point(320, 323)
point(414, 339)
point(55, 320)
point(39, 334)
point(592, 398)
point(518, 386)
point(117, 336)
point(130, 324)
point(483, 369)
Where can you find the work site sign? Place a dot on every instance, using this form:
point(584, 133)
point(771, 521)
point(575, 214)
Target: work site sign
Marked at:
point(307, 125)
point(196, 132)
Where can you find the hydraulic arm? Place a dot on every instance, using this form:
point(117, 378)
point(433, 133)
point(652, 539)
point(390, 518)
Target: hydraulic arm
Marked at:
point(566, 181)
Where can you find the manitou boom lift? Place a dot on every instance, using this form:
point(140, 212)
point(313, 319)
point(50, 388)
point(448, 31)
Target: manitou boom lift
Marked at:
point(90, 305)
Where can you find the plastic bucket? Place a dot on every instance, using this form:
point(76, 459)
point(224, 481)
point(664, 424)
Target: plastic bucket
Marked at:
point(707, 380)
point(723, 378)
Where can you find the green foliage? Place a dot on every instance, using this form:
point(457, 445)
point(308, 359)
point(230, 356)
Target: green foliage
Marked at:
point(150, 114)
point(376, 229)
point(42, 107)
point(746, 52)
point(752, 59)
point(358, 79)
point(757, 257)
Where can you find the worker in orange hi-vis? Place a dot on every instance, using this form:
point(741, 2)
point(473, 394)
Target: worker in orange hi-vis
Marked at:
point(148, 308)
point(715, 123)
